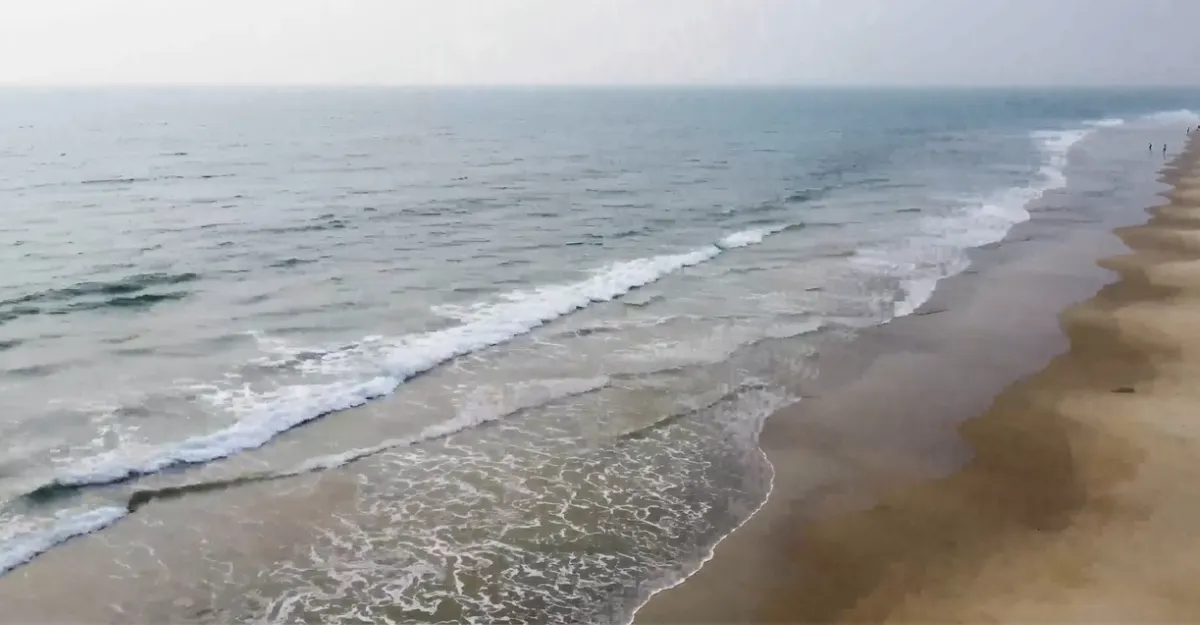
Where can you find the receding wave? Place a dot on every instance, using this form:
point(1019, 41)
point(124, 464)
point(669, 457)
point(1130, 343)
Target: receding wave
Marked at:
point(641, 300)
point(142, 497)
point(27, 546)
point(562, 389)
point(981, 222)
point(24, 547)
point(270, 413)
point(665, 420)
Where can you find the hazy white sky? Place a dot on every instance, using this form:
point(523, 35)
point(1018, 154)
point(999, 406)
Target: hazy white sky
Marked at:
point(601, 41)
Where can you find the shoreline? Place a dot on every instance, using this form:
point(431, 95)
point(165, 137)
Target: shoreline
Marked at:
point(860, 469)
point(851, 454)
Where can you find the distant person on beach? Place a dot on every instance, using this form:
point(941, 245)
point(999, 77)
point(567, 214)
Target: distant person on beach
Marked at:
point(1151, 147)
point(1164, 149)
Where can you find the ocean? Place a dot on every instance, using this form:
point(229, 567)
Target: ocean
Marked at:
point(465, 355)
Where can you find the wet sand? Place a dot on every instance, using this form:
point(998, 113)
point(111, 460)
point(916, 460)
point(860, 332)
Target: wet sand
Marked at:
point(1075, 501)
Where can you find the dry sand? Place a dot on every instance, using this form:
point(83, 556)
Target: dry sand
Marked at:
point(1080, 503)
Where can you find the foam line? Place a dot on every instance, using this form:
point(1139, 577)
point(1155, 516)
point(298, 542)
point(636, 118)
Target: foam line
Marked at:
point(266, 415)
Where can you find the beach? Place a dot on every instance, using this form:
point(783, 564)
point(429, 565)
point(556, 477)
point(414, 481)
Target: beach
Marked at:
point(510, 356)
point(603, 311)
point(952, 481)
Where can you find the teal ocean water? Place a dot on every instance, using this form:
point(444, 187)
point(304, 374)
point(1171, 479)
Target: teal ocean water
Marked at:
point(466, 355)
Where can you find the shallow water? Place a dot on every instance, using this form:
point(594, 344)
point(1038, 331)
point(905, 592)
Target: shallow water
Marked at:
point(534, 332)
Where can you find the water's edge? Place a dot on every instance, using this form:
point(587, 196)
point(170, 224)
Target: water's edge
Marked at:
point(951, 294)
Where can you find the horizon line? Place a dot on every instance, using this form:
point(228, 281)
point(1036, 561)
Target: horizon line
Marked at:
point(663, 85)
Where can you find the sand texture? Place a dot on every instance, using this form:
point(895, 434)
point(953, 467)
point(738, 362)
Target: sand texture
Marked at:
point(1081, 502)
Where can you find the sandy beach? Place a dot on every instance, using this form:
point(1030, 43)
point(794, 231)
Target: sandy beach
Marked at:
point(1064, 498)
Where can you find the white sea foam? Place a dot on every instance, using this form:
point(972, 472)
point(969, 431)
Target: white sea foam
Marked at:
point(1111, 122)
point(1181, 116)
point(748, 237)
point(941, 252)
point(917, 291)
point(25, 546)
point(383, 365)
point(770, 404)
point(926, 262)
point(485, 405)
point(988, 220)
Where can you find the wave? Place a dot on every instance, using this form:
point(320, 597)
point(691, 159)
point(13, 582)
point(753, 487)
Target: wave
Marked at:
point(615, 327)
point(144, 300)
point(942, 252)
point(27, 546)
point(291, 262)
point(1111, 122)
point(138, 179)
point(125, 292)
point(388, 364)
point(116, 181)
point(130, 180)
point(31, 370)
point(753, 236)
point(642, 299)
point(993, 218)
point(807, 195)
point(133, 301)
point(464, 420)
point(624, 234)
point(327, 224)
point(769, 403)
point(647, 429)
point(1181, 116)
point(122, 286)
point(528, 398)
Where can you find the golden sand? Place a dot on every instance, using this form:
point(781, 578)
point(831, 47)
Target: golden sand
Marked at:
point(1082, 503)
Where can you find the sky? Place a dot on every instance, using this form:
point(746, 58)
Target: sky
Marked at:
point(534, 42)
